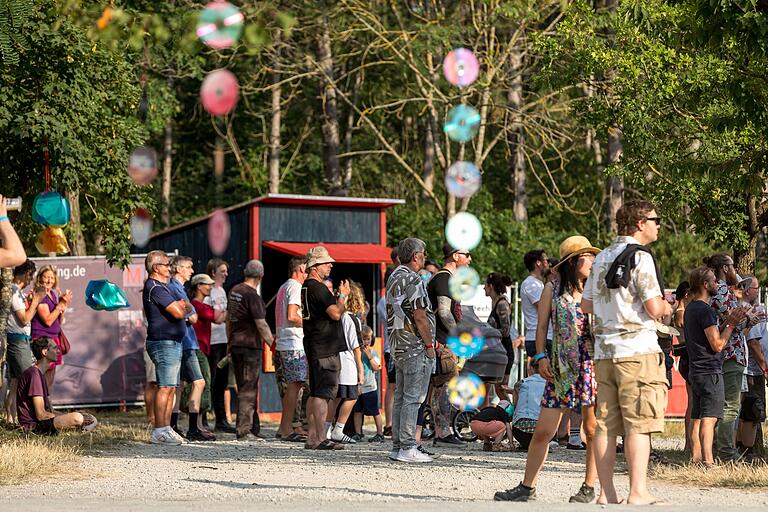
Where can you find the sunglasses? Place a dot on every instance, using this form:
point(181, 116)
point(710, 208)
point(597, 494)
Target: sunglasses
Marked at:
point(657, 220)
point(467, 254)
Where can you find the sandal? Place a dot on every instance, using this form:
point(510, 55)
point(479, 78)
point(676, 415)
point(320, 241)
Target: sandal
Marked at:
point(329, 445)
point(294, 438)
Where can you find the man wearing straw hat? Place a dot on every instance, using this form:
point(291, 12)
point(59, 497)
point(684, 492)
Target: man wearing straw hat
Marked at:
point(625, 296)
point(323, 340)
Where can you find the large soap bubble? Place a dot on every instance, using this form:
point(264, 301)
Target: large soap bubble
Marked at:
point(220, 25)
point(466, 392)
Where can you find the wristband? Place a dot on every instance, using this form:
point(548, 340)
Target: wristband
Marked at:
point(429, 346)
point(4, 217)
point(539, 357)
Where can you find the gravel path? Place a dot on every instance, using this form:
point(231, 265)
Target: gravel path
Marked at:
point(231, 475)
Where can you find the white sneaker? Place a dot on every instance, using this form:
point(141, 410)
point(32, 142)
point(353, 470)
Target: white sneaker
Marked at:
point(413, 455)
point(393, 454)
point(176, 436)
point(343, 438)
point(167, 437)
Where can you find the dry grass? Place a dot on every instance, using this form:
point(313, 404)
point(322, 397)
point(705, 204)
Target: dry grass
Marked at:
point(673, 429)
point(24, 458)
point(730, 475)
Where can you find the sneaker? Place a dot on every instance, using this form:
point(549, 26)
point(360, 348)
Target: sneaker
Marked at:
point(378, 438)
point(387, 431)
point(450, 440)
point(427, 452)
point(580, 446)
point(343, 438)
point(585, 495)
point(89, 422)
point(199, 435)
point(519, 493)
point(359, 437)
point(165, 437)
point(413, 455)
point(179, 437)
point(227, 428)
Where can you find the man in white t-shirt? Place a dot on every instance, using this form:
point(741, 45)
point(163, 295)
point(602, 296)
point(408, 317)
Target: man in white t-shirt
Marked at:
point(19, 330)
point(629, 364)
point(218, 269)
point(537, 263)
point(289, 357)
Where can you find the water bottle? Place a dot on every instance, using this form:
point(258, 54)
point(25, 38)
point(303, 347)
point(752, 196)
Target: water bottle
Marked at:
point(223, 362)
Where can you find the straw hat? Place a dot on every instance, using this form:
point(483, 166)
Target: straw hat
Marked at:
point(317, 256)
point(574, 246)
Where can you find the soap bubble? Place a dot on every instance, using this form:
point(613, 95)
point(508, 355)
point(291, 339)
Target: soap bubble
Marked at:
point(463, 284)
point(141, 227)
point(219, 92)
point(218, 232)
point(462, 123)
point(462, 179)
point(463, 231)
point(142, 165)
point(466, 341)
point(460, 67)
point(220, 25)
point(466, 392)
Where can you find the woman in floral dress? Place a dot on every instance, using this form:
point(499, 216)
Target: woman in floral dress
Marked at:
point(569, 373)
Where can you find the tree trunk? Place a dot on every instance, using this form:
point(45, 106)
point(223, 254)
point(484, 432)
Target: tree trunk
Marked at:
point(331, 140)
point(165, 215)
point(428, 170)
point(6, 279)
point(274, 129)
point(744, 259)
point(78, 246)
point(516, 139)
point(614, 184)
point(347, 175)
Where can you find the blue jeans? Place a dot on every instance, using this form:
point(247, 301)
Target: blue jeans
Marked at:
point(166, 354)
point(411, 386)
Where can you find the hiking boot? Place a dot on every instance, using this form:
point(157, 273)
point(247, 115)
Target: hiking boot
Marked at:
point(378, 438)
point(519, 493)
point(585, 495)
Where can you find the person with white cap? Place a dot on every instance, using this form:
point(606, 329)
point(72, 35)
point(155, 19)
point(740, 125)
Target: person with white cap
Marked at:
point(569, 373)
point(323, 340)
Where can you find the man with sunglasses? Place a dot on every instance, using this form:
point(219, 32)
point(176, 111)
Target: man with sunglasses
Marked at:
point(448, 315)
point(626, 300)
point(166, 328)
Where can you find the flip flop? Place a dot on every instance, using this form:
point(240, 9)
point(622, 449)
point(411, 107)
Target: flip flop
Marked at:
point(329, 445)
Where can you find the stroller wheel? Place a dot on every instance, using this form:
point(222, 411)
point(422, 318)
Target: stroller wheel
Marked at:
point(460, 425)
point(428, 427)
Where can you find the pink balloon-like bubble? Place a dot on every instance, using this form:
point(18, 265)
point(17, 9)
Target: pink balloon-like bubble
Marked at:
point(461, 67)
point(142, 165)
point(218, 232)
point(219, 92)
point(141, 227)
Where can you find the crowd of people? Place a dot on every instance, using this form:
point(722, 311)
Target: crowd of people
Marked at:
point(597, 345)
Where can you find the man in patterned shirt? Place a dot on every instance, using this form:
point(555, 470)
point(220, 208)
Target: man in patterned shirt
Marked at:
point(629, 364)
point(735, 352)
point(411, 328)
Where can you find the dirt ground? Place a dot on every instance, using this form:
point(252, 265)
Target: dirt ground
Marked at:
point(272, 475)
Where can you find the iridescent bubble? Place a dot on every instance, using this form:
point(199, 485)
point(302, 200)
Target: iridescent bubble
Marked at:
point(463, 231)
point(463, 284)
point(220, 25)
point(142, 165)
point(218, 232)
point(460, 67)
point(462, 123)
point(466, 341)
point(462, 179)
point(141, 227)
point(466, 392)
point(219, 92)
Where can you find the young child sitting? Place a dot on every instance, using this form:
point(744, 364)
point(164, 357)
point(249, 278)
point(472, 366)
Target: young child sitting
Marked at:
point(33, 406)
point(492, 425)
point(368, 403)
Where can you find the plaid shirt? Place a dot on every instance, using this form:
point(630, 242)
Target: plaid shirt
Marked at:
point(722, 302)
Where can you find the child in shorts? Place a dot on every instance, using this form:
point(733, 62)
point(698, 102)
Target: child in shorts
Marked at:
point(368, 402)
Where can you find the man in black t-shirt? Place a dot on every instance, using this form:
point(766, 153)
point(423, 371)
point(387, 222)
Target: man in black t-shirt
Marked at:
point(448, 315)
point(705, 341)
point(323, 340)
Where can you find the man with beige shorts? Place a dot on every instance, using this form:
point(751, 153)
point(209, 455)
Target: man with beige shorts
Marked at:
point(625, 296)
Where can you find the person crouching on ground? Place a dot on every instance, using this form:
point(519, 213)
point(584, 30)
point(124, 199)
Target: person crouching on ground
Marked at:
point(32, 403)
point(492, 425)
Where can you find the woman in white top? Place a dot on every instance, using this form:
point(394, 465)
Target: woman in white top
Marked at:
point(218, 269)
point(352, 373)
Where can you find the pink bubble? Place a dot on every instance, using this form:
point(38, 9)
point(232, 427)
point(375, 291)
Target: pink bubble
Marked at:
point(218, 232)
point(141, 227)
point(142, 165)
point(219, 92)
point(460, 67)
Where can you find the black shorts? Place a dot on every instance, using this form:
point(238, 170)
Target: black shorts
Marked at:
point(348, 392)
point(707, 395)
point(368, 404)
point(324, 377)
point(45, 428)
point(753, 405)
point(391, 368)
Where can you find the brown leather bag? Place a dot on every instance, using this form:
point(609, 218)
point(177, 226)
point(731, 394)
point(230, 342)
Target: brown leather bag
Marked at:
point(64, 345)
point(447, 366)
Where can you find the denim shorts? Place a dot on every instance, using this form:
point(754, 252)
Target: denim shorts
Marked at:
point(190, 366)
point(166, 354)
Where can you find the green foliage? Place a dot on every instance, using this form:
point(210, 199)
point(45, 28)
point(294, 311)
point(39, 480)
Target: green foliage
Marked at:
point(13, 15)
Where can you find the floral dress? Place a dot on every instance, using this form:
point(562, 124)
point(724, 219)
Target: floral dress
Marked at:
point(574, 385)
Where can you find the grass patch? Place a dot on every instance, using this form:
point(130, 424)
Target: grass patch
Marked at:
point(738, 476)
point(25, 458)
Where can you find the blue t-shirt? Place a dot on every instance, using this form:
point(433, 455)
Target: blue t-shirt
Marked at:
point(161, 325)
point(190, 339)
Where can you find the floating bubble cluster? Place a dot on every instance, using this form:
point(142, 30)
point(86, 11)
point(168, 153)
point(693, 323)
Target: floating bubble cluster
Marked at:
point(466, 392)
